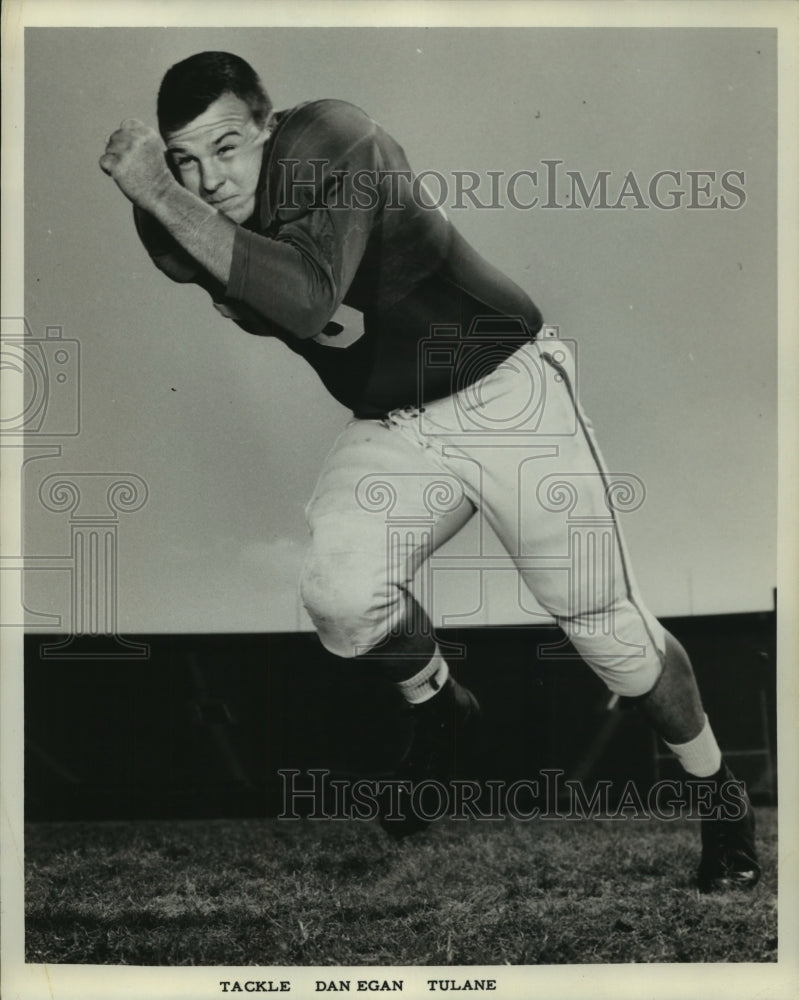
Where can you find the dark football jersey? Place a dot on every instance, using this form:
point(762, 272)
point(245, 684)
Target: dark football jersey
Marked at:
point(340, 220)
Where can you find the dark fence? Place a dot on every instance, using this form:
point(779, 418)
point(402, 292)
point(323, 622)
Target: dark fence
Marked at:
point(203, 724)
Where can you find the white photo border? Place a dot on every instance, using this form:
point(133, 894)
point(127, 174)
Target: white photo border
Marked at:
point(780, 980)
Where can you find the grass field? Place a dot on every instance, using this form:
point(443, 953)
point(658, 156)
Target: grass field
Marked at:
point(264, 892)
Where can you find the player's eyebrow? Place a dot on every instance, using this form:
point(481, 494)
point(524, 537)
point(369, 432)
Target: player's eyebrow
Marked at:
point(225, 135)
point(175, 144)
point(178, 149)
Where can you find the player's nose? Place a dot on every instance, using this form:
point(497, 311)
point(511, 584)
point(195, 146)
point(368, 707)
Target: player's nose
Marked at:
point(211, 177)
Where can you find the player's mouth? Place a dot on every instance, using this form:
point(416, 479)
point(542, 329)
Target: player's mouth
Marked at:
point(217, 202)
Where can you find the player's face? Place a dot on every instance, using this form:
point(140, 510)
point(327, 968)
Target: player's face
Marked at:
point(217, 156)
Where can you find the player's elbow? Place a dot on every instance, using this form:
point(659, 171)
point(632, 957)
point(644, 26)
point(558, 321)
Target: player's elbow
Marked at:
point(312, 314)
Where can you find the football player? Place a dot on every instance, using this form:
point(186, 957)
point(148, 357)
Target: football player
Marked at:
point(285, 216)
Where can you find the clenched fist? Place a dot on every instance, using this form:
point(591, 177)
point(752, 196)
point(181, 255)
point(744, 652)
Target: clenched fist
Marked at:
point(134, 157)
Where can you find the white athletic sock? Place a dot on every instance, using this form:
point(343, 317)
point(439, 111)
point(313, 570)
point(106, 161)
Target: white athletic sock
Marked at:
point(430, 679)
point(701, 756)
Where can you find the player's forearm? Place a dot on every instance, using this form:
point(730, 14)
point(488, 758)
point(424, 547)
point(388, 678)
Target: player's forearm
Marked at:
point(134, 157)
point(274, 278)
point(199, 228)
point(285, 281)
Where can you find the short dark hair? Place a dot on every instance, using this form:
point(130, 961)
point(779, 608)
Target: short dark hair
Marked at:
point(192, 85)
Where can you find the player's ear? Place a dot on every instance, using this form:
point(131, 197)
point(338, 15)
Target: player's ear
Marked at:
point(262, 135)
point(267, 128)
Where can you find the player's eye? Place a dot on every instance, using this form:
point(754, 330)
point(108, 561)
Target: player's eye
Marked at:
point(182, 162)
point(226, 151)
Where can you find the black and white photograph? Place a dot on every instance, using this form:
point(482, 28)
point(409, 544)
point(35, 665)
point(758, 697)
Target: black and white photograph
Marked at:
point(397, 590)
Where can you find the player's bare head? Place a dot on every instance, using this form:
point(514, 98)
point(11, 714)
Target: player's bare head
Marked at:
point(192, 85)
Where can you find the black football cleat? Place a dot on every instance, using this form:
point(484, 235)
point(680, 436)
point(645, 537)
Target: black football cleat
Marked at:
point(729, 857)
point(444, 730)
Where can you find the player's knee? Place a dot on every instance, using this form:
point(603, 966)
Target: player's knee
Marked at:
point(624, 647)
point(630, 676)
point(349, 600)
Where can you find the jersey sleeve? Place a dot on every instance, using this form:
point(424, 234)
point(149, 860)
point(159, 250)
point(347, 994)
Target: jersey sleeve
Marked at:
point(298, 275)
point(165, 252)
